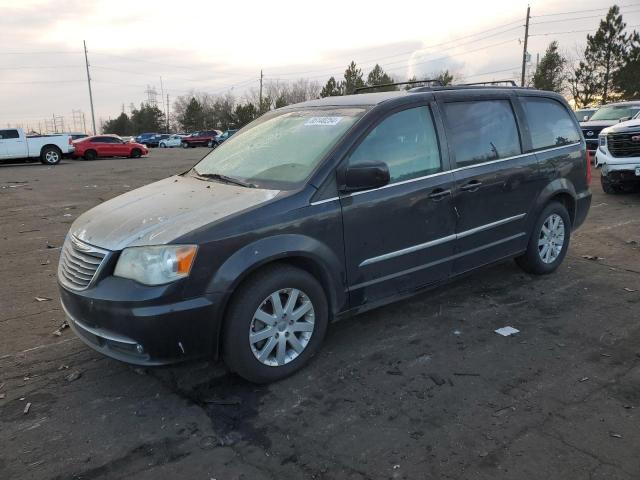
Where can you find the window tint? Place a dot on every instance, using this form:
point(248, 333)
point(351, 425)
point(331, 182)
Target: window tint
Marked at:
point(406, 141)
point(9, 134)
point(482, 131)
point(100, 140)
point(549, 123)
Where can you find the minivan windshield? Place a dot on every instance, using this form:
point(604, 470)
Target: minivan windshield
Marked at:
point(279, 150)
point(615, 112)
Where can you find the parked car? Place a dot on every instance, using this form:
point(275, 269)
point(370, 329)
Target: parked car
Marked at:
point(604, 117)
point(50, 149)
point(584, 114)
point(619, 156)
point(221, 138)
point(144, 137)
point(321, 210)
point(101, 146)
point(174, 140)
point(77, 135)
point(200, 139)
point(156, 139)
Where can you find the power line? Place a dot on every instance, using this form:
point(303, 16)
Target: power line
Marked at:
point(577, 18)
point(572, 31)
point(582, 11)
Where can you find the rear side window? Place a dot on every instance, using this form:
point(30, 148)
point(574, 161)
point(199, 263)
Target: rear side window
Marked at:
point(550, 123)
point(482, 131)
point(9, 134)
point(406, 141)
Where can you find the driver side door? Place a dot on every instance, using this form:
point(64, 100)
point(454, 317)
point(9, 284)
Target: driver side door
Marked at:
point(400, 237)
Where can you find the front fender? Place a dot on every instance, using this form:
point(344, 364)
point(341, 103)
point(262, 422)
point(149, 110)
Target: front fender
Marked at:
point(249, 258)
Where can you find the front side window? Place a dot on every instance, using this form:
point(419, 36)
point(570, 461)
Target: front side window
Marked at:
point(280, 149)
point(9, 134)
point(549, 123)
point(482, 131)
point(406, 141)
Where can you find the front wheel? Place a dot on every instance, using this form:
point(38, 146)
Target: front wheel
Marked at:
point(549, 241)
point(90, 155)
point(184, 145)
point(50, 156)
point(136, 153)
point(275, 324)
point(163, 145)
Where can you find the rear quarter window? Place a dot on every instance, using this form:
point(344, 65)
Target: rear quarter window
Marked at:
point(550, 123)
point(9, 134)
point(482, 131)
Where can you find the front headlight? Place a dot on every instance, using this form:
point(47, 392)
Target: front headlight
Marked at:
point(603, 140)
point(156, 265)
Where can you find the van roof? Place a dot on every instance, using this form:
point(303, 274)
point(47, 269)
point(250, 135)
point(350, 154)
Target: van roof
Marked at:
point(372, 99)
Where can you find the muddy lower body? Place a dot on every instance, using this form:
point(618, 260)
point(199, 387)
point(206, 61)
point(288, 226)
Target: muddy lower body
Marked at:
point(420, 389)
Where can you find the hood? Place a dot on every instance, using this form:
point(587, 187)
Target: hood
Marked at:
point(163, 211)
point(623, 127)
point(597, 124)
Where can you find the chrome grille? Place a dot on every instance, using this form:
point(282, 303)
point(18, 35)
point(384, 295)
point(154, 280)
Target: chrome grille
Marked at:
point(624, 144)
point(79, 263)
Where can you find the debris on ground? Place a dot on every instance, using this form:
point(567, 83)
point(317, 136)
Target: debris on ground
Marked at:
point(26, 408)
point(1, 396)
point(592, 257)
point(457, 332)
point(583, 379)
point(58, 332)
point(627, 289)
point(437, 379)
point(73, 376)
point(42, 299)
point(63, 367)
point(507, 331)
point(140, 371)
point(466, 374)
point(632, 242)
point(46, 262)
point(224, 401)
point(615, 435)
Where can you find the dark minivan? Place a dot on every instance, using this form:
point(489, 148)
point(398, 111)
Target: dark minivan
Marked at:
point(322, 210)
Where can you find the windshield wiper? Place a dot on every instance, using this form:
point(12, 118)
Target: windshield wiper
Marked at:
point(224, 178)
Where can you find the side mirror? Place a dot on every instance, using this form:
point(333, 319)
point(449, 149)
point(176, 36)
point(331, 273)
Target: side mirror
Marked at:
point(365, 175)
point(624, 119)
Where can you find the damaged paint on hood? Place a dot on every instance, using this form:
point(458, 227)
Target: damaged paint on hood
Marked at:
point(162, 211)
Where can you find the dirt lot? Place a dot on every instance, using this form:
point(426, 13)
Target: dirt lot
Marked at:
point(423, 389)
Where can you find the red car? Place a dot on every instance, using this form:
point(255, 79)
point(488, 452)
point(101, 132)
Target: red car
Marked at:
point(91, 148)
point(205, 137)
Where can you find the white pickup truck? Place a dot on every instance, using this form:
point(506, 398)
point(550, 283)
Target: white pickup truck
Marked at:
point(50, 149)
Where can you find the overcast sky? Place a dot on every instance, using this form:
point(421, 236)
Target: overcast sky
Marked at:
point(220, 47)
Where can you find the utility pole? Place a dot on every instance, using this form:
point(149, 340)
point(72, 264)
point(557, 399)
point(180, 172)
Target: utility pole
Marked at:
point(86, 62)
point(526, 41)
point(260, 105)
point(167, 113)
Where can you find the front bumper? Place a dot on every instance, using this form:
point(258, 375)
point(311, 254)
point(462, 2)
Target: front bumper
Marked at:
point(143, 331)
point(617, 169)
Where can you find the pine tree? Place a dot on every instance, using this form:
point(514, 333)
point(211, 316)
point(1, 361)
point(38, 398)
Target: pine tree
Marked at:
point(377, 76)
point(119, 126)
point(549, 74)
point(331, 89)
point(352, 79)
point(444, 77)
point(627, 79)
point(193, 117)
point(606, 50)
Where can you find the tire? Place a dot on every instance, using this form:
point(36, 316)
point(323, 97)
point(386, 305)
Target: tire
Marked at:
point(536, 259)
point(50, 155)
point(135, 153)
point(612, 188)
point(162, 145)
point(90, 155)
point(184, 145)
point(212, 144)
point(254, 298)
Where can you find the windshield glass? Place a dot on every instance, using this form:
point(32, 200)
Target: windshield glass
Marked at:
point(281, 149)
point(615, 112)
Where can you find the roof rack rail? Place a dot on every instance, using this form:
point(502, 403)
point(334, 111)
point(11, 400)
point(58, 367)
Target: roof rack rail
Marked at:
point(509, 83)
point(411, 82)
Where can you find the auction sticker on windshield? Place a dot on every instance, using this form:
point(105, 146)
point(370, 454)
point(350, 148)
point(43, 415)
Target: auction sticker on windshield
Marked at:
point(323, 121)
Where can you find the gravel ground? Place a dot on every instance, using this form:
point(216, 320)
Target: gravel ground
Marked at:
point(421, 389)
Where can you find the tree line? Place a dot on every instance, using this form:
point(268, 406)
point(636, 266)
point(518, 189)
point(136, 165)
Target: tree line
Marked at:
point(608, 69)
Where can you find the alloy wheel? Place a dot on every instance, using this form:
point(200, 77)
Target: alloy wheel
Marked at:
point(51, 156)
point(281, 327)
point(551, 239)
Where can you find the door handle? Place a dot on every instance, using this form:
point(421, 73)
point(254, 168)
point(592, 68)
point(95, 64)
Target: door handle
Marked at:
point(472, 186)
point(439, 194)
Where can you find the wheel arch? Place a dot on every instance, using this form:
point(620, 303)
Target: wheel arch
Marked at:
point(561, 190)
point(50, 145)
point(302, 252)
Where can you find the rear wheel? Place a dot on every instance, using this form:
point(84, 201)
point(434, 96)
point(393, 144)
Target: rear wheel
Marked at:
point(275, 324)
point(184, 145)
point(163, 145)
point(136, 153)
point(50, 155)
point(90, 155)
point(549, 241)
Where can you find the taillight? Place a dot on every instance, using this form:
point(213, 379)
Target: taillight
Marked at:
point(588, 156)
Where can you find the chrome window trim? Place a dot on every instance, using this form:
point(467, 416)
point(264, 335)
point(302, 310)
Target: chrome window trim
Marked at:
point(439, 241)
point(475, 165)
